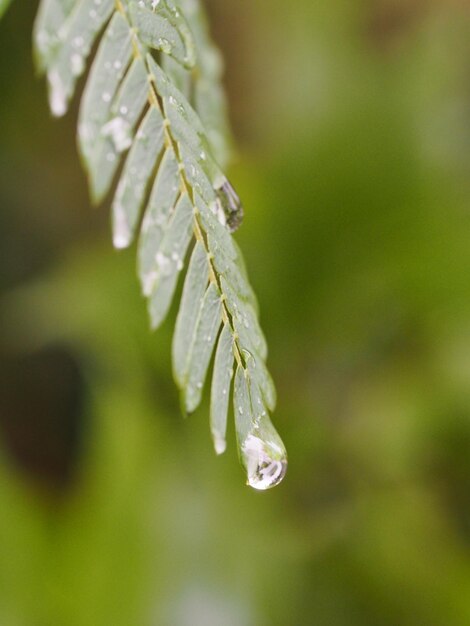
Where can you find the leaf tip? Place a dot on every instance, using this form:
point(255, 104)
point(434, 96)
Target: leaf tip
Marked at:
point(220, 444)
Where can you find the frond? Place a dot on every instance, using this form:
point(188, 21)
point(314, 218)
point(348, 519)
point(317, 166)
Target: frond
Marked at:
point(153, 115)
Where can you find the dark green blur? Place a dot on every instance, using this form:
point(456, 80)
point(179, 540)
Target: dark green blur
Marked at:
point(352, 123)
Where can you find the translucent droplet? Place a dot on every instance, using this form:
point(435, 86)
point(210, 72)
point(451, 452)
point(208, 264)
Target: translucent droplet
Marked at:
point(229, 202)
point(164, 45)
point(119, 130)
point(265, 462)
point(163, 263)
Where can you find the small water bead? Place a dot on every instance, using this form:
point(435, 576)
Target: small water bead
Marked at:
point(177, 105)
point(178, 262)
point(119, 130)
point(229, 203)
point(163, 264)
point(164, 45)
point(265, 462)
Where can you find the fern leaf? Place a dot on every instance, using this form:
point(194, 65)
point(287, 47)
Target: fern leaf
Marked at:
point(195, 285)
point(205, 336)
point(154, 92)
point(221, 381)
point(209, 95)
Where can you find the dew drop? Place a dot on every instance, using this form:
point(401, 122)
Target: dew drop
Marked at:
point(265, 462)
point(229, 203)
point(164, 264)
point(164, 45)
point(119, 130)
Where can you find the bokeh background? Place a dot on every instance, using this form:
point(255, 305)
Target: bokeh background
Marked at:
point(352, 126)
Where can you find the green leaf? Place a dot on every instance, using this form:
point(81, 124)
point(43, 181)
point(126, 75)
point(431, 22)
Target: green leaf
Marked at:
point(208, 324)
point(169, 260)
point(48, 27)
point(154, 92)
point(163, 28)
point(110, 64)
point(189, 313)
point(209, 95)
point(76, 38)
point(130, 192)
point(220, 392)
point(117, 132)
point(165, 192)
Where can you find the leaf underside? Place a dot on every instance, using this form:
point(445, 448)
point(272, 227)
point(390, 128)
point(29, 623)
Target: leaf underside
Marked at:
point(153, 120)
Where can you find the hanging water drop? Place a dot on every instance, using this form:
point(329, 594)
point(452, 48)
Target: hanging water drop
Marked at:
point(229, 203)
point(265, 462)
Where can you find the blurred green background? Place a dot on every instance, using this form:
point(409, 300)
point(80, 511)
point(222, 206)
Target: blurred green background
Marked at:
point(352, 124)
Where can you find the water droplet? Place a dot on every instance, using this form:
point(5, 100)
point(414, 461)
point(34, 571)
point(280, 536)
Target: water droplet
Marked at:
point(265, 462)
point(229, 203)
point(164, 45)
point(119, 130)
point(164, 264)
